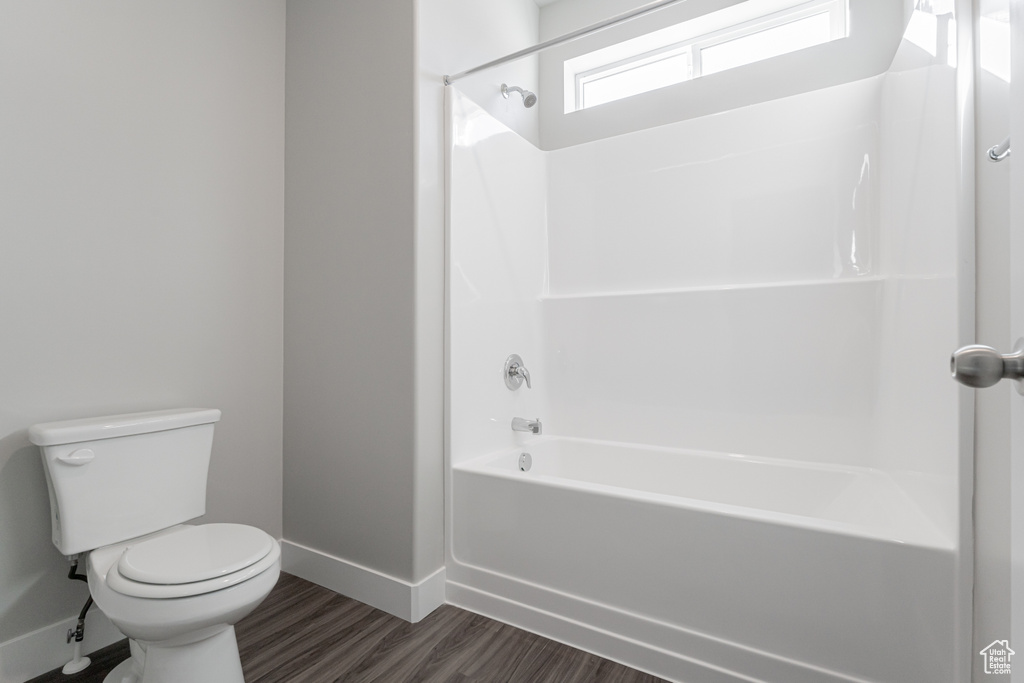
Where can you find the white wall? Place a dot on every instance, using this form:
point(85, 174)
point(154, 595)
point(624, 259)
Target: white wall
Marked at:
point(497, 275)
point(452, 36)
point(776, 280)
point(920, 227)
point(714, 269)
point(142, 199)
point(781, 191)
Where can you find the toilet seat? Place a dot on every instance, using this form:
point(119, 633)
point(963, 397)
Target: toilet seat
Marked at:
point(192, 560)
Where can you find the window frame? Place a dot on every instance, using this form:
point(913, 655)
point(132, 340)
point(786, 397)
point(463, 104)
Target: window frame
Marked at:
point(693, 47)
point(626, 64)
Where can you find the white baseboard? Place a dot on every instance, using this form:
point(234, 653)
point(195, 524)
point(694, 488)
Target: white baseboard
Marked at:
point(409, 601)
point(46, 649)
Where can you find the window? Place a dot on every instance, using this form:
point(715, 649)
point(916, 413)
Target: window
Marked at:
point(634, 76)
point(741, 34)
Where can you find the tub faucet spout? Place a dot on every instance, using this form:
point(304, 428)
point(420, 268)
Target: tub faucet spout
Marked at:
point(521, 424)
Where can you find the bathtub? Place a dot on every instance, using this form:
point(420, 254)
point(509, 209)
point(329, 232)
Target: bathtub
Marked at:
point(707, 567)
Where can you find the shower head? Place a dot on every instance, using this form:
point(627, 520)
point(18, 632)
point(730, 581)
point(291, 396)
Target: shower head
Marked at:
point(529, 99)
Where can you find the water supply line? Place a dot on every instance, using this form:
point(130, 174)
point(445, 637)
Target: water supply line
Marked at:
point(78, 663)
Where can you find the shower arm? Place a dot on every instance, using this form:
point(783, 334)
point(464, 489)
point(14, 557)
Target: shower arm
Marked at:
point(1000, 151)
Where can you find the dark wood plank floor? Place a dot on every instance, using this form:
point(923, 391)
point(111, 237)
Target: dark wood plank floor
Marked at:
point(306, 633)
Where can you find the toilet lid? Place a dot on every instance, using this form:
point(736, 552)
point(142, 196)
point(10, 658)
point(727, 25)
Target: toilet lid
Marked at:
point(195, 553)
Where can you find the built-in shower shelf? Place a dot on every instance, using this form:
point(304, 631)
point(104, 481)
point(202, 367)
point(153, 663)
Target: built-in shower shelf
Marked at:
point(831, 282)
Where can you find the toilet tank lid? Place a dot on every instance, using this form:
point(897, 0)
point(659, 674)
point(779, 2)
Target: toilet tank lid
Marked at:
point(96, 428)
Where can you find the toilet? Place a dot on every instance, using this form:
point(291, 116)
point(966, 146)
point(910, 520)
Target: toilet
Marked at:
point(121, 489)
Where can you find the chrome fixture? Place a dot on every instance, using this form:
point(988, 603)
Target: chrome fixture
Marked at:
point(521, 424)
point(516, 372)
point(1000, 151)
point(529, 99)
point(525, 462)
point(982, 366)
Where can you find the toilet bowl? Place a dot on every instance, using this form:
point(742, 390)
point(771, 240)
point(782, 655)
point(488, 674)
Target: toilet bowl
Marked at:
point(177, 594)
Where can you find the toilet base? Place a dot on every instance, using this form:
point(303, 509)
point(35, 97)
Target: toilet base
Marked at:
point(130, 670)
point(122, 673)
point(210, 660)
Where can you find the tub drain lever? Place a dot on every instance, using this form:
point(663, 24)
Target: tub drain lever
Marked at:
point(525, 462)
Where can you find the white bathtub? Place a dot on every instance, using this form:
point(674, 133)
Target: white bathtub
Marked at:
point(707, 567)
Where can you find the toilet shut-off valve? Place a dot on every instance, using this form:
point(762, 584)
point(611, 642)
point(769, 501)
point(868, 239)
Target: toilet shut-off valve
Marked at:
point(516, 372)
point(77, 634)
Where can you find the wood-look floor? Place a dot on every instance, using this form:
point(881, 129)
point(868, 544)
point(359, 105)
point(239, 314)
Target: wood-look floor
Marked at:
point(308, 634)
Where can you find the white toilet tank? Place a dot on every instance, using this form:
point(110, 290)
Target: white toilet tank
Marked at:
point(114, 478)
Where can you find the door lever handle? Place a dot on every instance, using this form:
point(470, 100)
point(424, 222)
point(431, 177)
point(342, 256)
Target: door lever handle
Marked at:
point(982, 366)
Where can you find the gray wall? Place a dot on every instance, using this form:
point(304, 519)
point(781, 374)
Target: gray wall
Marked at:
point(141, 205)
point(353, 487)
point(364, 257)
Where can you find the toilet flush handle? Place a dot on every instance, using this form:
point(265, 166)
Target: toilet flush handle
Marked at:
point(82, 456)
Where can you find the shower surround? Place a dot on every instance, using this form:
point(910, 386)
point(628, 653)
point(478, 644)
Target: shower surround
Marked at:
point(738, 329)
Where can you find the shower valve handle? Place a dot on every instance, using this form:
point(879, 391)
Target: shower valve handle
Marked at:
point(982, 366)
point(521, 371)
point(516, 372)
